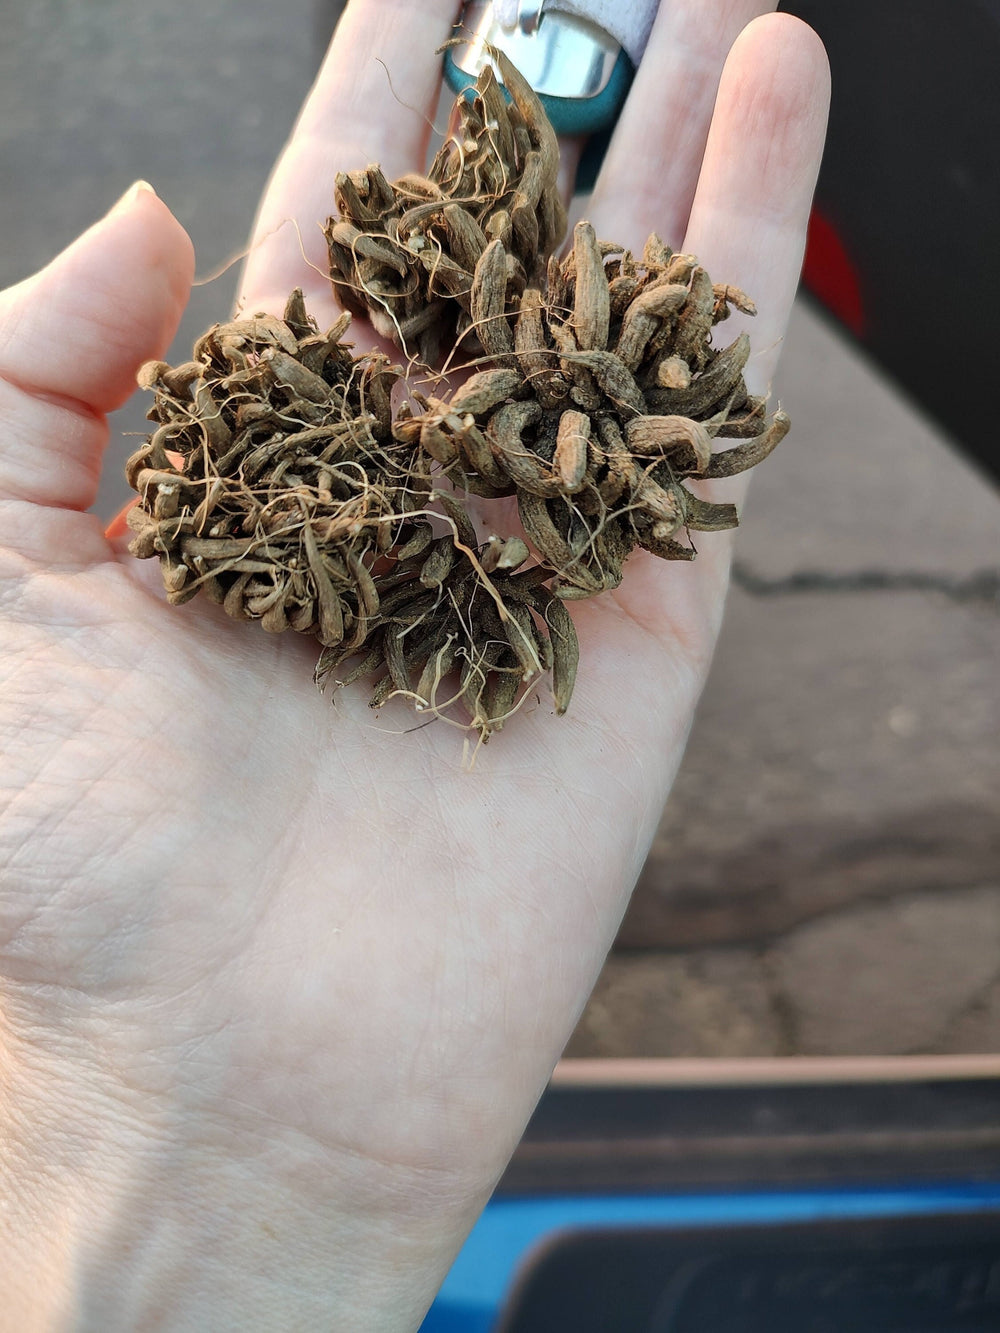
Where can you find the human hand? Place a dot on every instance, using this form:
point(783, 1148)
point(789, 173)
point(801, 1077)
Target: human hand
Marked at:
point(279, 986)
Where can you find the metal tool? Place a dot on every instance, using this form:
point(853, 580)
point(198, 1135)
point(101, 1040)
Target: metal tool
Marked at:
point(581, 72)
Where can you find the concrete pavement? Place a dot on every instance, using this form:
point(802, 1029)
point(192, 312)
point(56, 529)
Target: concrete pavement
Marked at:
point(826, 878)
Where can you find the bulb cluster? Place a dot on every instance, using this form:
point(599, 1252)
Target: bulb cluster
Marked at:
point(314, 489)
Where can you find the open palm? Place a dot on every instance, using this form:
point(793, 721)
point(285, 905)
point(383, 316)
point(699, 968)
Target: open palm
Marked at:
point(280, 980)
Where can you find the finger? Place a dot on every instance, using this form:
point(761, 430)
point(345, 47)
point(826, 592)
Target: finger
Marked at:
point(652, 165)
point(748, 226)
point(372, 101)
point(72, 338)
point(748, 221)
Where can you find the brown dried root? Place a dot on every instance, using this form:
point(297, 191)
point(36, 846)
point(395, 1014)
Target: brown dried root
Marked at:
point(274, 484)
point(410, 254)
point(280, 481)
point(445, 637)
point(608, 395)
point(273, 481)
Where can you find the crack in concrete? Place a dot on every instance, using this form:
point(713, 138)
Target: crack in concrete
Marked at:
point(980, 586)
point(778, 878)
point(781, 1005)
point(978, 1004)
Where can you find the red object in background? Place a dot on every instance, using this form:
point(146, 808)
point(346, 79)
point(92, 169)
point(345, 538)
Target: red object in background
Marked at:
point(118, 526)
point(830, 274)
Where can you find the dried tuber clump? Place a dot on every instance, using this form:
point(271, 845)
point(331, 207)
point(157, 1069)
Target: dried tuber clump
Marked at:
point(308, 487)
point(604, 395)
point(405, 253)
point(273, 480)
point(445, 636)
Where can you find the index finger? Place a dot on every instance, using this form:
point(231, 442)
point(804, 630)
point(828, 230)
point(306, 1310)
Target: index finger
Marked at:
point(373, 101)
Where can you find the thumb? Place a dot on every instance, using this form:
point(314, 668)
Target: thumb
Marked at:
point(72, 338)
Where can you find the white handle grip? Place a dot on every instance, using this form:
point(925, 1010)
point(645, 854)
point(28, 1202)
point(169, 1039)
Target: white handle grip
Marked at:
point(628, 21)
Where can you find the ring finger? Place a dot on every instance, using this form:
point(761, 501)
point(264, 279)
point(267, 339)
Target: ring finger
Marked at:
point(654, 159)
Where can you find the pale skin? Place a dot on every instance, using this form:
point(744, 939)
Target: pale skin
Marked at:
point(280, 980)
